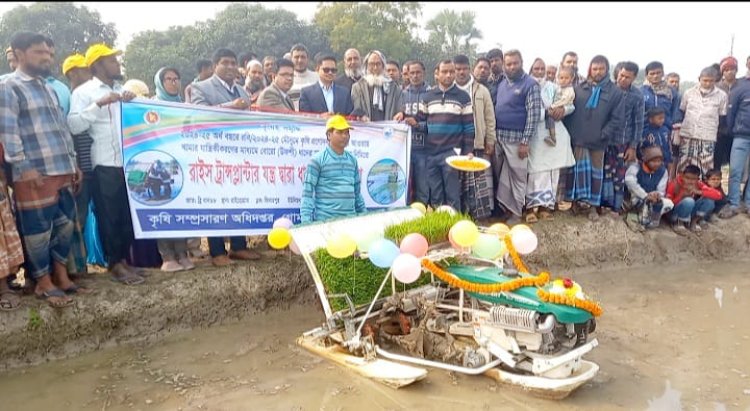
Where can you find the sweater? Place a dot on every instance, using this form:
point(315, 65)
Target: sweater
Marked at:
point(448, 120)
point(510, 108)
point(331, 187)
point(676, 191)
point(412, 96)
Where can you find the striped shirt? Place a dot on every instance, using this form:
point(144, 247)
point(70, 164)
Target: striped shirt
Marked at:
point(448, 118)
point(331, 187)
point(33, 129)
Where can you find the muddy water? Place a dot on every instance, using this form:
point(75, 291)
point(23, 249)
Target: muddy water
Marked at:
point(671, 338)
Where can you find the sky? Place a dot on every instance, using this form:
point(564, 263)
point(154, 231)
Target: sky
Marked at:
point(686, 37)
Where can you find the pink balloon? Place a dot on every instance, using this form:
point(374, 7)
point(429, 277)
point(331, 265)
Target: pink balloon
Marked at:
point(283, 222)
point(294, 248)
point(415, 244)
point(406, 268)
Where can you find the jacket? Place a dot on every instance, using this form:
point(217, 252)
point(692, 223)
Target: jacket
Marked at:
point(670, 105)
point(738, 118)
point(312, 100)
point(412, 96)
point(676, 191)
point(345, 81)
point(211, 92)
point(484, 116)
point(597, 128)
point(272, 97)
point(641, 181)
point(363, 102)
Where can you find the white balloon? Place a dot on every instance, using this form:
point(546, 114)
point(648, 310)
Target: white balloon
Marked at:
point(524, 241)
point(406, 268)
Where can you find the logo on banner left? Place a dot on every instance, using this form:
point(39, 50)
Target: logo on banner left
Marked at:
point(151, 117)
point(154, 178)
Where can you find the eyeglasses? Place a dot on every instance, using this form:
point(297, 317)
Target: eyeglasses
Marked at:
point(330, 70)
point(171, 79)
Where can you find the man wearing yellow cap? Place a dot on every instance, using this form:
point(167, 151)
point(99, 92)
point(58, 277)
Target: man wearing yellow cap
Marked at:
point(74, 68)
point(92, 111)
point(332, 186)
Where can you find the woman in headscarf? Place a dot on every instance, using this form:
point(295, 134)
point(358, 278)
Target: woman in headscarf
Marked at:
point(173, 250)
point(545, 161)
point(593, 125)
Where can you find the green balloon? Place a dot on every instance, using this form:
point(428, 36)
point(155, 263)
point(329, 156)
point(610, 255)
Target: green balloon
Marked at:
point(367, 238)
point(487, 246)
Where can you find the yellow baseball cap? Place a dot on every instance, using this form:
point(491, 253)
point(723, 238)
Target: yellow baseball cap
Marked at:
point(76, 60)
point(338, 122)
point(98, 51)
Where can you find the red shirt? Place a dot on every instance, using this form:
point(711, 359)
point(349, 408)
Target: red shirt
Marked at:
point(676, 191)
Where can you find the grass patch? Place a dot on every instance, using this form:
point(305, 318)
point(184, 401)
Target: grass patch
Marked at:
point(360, 279)
point(35, 320)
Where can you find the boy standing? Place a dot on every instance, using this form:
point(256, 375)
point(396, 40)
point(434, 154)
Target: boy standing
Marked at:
point(332, 180)
point(647, 184)
point(655, 130)
point(693, 200)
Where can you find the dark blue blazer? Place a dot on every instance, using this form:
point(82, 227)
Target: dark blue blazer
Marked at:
point(312, 101)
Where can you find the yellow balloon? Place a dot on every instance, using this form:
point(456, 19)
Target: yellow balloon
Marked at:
point(419, 206)
point(279, 238)
point(519, 227)
point(341, 246)
point(465, 233)
point(499, 230)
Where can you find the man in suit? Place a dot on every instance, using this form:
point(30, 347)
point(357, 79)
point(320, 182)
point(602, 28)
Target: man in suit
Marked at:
point(275, 96)
point(220, 90)
point(325, 97)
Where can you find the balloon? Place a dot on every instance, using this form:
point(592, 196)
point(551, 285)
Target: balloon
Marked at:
point(465, 233)
point(294, 248)
point(487, 246)
point(524, 241)
point(499, 230)
point(279, 238)
point(415, 244)
point(407, 268)
point(419, 206)
point(283, 222)
point(519, 227)
point(366, 237)
point(446, 209)
point(341, 246)
point(383, 252)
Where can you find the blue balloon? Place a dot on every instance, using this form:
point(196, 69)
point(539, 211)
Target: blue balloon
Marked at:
point(383, 252)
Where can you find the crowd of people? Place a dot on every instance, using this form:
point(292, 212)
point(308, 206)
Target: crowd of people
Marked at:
point(556, 138)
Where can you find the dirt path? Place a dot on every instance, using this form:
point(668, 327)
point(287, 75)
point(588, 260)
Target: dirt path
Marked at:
point(667, 338)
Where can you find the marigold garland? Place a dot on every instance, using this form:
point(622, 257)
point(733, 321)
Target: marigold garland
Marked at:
point(520, 266)
point(585, 305)
point(453, 281)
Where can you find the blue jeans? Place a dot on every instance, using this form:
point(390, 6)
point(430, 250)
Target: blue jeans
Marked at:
point(689, 208)
point(444, 181)
point(217, 248)
point(420, 186)
point(737, 160)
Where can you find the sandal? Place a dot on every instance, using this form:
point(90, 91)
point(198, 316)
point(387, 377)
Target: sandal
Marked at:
point(728, 212)
point(56, 293)
point(9, 301)
point(127, 278)
point(77, 289)
point(545, 215)
point(593, 215)
point(531, 218)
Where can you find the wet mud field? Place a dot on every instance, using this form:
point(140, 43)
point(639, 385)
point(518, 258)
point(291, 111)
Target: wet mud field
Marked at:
point(673, 336)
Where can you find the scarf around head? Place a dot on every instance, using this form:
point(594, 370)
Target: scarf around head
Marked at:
point(161, 92)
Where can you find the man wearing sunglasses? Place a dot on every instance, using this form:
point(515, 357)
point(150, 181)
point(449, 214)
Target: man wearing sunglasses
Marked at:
point(325, 97)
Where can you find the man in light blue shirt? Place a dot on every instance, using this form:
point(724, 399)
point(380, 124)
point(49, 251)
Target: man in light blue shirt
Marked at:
point(332, 183)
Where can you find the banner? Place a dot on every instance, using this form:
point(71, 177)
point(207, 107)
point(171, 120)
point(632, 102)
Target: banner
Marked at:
point(196, 171)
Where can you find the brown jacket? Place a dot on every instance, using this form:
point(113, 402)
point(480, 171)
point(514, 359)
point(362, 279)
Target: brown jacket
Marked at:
point(484, 116)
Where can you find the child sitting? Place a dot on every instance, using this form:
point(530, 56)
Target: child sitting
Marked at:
point(647, 185)
point(713, 180)
point(564, 96)
point(692, 200)
point(655, 130)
